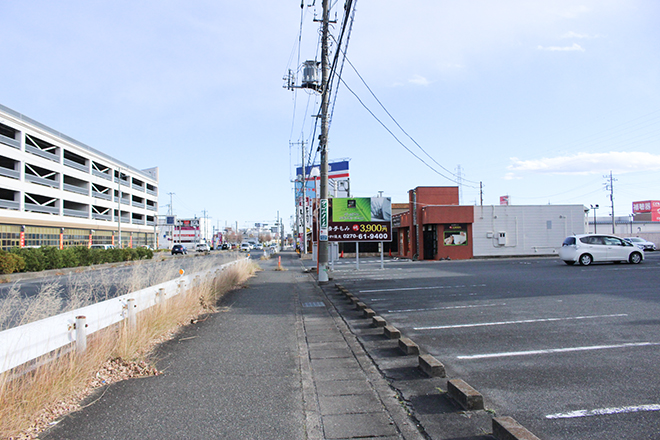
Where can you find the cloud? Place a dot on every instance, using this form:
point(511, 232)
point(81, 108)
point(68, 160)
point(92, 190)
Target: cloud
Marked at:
point(574, 47)
point(419, 80)
point(571, 34)
point(587, 163)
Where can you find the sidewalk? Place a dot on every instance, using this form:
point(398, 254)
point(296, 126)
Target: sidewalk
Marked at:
point(276, 363)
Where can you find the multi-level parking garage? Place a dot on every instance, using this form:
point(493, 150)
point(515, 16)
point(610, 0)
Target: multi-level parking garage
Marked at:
point(56, 191)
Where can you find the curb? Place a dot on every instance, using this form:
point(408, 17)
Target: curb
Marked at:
point(504, 428)
point(466, 396)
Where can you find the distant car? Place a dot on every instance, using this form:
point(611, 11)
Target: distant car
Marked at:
point(225, 246)
point(179, 249)
point(102, 246)
point(202, 247)
point(245, 247)
point(259, 246)
point(641, 243)
point(273, 249)
point(586, 249)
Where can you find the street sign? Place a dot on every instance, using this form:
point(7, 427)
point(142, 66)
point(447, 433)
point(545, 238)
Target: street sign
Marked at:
point(323, 220)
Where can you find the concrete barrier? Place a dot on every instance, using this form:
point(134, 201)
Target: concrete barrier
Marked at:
point(368, 313)
point(391, 332)
point(378, 321)
point(465, 395)
point(431, 366)
point(506, 428)
point(360, 305)
point(408, 347)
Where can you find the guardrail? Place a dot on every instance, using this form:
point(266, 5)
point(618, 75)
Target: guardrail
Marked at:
point(28, 342)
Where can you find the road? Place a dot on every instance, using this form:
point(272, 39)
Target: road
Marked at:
point(570, 352)
point(93, 284)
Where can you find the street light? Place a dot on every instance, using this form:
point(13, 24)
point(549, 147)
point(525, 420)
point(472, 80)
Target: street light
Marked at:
point(594, 207)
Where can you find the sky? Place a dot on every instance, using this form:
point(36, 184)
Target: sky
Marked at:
point(537, 100)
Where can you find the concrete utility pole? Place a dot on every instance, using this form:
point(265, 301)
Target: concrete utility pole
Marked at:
point(323, 277)
point(610, 186)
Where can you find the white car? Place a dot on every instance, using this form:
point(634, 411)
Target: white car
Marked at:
point(641, 243)
point(586, 249)
point(245, 247)
point(202, 247)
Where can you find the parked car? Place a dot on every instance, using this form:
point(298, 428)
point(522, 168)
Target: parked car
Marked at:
point(273, 249)
point(245, 247)
point(641, 243)
point(259, 246)
point(586, 249)
point(102, 246)
point(179, 249)
point(202, 247)
point(225, 246)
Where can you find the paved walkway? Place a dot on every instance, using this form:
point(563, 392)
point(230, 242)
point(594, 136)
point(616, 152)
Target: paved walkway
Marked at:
point(276, 363)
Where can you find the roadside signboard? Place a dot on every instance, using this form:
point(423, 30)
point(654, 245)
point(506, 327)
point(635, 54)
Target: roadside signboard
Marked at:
point(360, 219)
point(323, 220)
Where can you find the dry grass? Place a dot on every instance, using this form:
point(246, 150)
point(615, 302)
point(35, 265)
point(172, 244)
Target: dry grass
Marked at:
point(33, 397)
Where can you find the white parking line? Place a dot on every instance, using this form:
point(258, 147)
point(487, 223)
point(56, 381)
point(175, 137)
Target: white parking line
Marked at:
point(445, 308)
point(604, 411)
point(443, 296)
point(523, 321)
point(556, 350)
point(402, 289)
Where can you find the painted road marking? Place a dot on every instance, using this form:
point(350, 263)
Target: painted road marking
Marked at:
point(402, 289)
point(556, 350)
point(389, 298)
point(523, 321)
point(604, 411)
point(445, 308)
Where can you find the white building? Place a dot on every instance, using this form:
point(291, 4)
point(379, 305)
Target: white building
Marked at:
point(55, 191)
point(517, 230)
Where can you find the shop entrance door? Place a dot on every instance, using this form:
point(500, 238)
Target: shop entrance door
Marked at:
point(430, 243)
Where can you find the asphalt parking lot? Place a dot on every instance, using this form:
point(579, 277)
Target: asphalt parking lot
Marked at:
point(570, 352)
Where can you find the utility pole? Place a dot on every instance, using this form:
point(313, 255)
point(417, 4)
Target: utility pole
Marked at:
point(303, 199)
point(170, 212)
point(323, 277)
point(459, 181)
point(610, 186)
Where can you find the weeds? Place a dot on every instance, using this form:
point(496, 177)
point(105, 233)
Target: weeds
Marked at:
point(32, 397)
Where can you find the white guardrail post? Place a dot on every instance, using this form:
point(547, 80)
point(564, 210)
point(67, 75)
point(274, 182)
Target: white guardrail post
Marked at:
point(22, 344)
point(81, 334)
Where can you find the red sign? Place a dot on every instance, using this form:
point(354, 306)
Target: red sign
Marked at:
point(504, 200)
point(646, 206)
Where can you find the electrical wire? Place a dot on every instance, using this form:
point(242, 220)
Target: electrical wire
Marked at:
point(405, 132)
point(393, 135)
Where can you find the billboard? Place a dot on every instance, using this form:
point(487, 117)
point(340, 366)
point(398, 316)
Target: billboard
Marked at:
point(360, 219)
point(651, 209)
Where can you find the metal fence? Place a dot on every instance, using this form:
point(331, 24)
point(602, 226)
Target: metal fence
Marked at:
point(28, 342)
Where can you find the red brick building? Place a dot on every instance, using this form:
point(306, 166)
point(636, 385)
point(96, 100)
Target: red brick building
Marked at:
point(435, 226)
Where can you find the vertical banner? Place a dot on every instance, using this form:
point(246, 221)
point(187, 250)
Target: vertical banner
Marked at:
point(22, 242)
point(323, 220)
point(61, 240)
point(89, 244)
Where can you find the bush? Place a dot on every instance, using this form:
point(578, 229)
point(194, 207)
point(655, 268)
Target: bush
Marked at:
point(33, 257)
point(144, 253)
point(52, 258)
point(10, 263)
point(49, 257)
point(69, 257)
